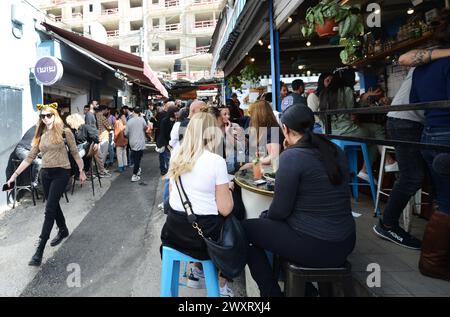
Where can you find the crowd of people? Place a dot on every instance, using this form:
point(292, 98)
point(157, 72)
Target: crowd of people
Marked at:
point(201, 147)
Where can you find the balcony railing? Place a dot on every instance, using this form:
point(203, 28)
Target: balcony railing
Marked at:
point(113, 33)
point(56, 18)
point(77, 16)
point(171, 3)
point(173, 27)
point(202, 49)
point(172, 52)
point(205, 24)
point(110, 11)
point(204, 2)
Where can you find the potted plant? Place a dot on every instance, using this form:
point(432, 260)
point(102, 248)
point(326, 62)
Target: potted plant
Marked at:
point(250, 74)
point(327, 15)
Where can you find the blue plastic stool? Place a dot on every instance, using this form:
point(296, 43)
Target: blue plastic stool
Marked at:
point(351, 150)
point(170, 273)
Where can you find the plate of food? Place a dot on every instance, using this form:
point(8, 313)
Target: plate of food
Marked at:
point(270, 176)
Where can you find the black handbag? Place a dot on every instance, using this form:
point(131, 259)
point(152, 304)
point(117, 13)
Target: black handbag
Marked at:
point(229, 252)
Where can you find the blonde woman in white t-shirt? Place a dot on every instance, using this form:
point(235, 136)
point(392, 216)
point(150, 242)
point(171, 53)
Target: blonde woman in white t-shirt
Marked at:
point(204, 177)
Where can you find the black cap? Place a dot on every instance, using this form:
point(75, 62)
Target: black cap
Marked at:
point(299, 118)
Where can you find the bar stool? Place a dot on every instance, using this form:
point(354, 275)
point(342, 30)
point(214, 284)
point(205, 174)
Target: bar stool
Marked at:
point(351, 150)
point(297, 277)
point(91, 168)
point(170, 273)
point(19, 187)
point(413, 203)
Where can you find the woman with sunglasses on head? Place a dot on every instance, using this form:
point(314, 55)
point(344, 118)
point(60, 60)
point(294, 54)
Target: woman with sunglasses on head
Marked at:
point(55, 172)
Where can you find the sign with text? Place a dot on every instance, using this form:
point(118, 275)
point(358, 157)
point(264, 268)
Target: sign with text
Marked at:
point(48, 70)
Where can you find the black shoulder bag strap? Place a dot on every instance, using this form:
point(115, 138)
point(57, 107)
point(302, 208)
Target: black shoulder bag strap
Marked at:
point(187, 205)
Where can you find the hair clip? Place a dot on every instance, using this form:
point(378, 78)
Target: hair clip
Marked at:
point(52, 105)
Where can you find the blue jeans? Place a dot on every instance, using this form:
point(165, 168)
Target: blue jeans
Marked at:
point(164, 159)
point(166, 190)
point(411, 166)
point(441, 184)
point(110, 160)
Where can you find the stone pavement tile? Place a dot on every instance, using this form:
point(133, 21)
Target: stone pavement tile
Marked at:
point(410, 257)
point(389, 286)
point(420, 285)
point(387, 262)
point(367, 246)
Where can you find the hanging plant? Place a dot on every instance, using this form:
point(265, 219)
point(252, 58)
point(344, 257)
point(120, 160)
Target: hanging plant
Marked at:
point(250, 74)
point(235, 82)
point(327, 14)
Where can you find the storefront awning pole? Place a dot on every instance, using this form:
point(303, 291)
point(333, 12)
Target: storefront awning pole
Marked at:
point(274, 59)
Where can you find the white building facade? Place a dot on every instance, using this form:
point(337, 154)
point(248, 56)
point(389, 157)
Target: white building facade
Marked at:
point(173, 36)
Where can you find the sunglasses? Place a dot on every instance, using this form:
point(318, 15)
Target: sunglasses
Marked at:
point(48, 115)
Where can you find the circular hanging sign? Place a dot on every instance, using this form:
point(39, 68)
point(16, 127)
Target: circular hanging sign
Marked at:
point(48, 70)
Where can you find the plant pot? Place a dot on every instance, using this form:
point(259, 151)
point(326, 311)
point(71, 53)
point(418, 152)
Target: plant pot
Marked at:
point(327, 29)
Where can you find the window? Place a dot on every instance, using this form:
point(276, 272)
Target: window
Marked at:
point(91, 8)
point(135, 3)
point(155, 1)
point(134, 48)
point(156, 23)
point(136, 25)
point(155, 47)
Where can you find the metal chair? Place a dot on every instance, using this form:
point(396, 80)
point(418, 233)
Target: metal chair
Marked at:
point(19, 187)
point(93, 163)
point(297, 277)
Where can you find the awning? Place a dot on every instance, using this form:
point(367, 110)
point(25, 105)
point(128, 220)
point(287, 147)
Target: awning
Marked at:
point(129, 64)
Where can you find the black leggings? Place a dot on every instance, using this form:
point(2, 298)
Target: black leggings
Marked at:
point(54, 181)
point(280, 239)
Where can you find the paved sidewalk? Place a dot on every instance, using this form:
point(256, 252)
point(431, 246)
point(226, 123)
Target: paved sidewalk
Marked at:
point(20, 229)
point(400, 274)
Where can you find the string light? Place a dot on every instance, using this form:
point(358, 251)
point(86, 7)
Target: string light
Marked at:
point(252, 59)
point(410, 11)
point(308, 43)
point(290, 20)
point(260, 42)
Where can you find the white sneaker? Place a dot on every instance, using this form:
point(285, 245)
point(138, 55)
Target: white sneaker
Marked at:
point(391, 168)
point(225, 291)
point(135, 178)
point(196, 278)
point(365, 176)
point(139, 172)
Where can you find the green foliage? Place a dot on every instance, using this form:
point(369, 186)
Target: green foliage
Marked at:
point(235, 82)
point(350, 23)
point(250, 74)
point(348, 54)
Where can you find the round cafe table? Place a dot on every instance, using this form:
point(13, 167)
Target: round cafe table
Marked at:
point(256, 199)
